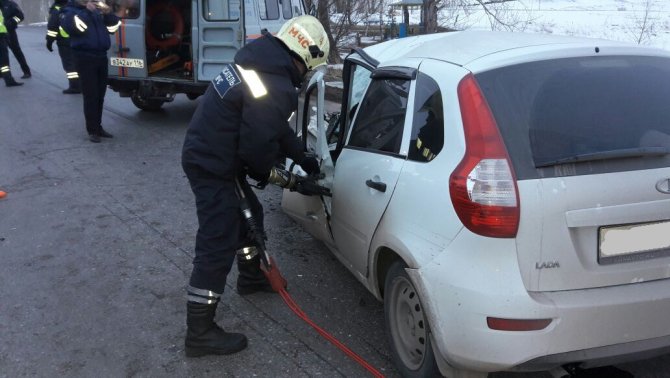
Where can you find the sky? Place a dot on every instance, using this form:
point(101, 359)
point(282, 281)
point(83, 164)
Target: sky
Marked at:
point(609, 19)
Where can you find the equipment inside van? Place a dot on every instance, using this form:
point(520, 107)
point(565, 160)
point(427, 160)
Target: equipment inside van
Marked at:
point(166, 47)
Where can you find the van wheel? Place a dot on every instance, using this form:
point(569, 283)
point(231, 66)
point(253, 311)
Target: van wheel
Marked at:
point(150, 105)
point(406, 325)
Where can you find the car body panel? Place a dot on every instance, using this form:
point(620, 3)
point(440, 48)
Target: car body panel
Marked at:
point(598, 311)
point(468, 284)
point(560, 218)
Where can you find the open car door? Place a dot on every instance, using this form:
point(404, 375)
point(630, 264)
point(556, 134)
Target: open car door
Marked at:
point(313, 212)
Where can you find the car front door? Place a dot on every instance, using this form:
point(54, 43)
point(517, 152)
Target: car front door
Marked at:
point(369, 164)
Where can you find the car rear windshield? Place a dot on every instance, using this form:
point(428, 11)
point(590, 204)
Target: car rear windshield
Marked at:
point(582, 115)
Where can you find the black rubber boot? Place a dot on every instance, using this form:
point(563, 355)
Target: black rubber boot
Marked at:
point(9, 80)
point(26, 74)
point(251, 278)
point(73, 87)
point(204, 337)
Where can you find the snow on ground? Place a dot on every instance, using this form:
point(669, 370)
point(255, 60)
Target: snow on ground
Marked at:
point(609, 19)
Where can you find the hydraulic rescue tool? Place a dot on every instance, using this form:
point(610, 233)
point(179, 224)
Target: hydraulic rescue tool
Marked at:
point(302, 184)
point(306, 185)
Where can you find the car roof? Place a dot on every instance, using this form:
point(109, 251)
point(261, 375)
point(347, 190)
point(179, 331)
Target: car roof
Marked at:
point(464, 47)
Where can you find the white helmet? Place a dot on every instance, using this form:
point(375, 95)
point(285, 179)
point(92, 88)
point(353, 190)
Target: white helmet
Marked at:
point(305, 36)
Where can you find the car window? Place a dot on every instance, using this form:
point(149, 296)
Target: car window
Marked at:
point(428, 122)
point(216, 10)
point(381, 116)
point(580, 108)
point(360, 78)
point(269, 9)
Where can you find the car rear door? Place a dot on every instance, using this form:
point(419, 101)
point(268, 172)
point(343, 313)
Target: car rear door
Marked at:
point(127, 55)
point(369, 164)
point(220, 35)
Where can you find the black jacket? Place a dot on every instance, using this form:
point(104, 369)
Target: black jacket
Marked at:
point(232, 130)
point(53, 23)
point(89, 30)
point(12, 13)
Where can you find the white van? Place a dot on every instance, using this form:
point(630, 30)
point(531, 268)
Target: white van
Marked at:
point(165, 47)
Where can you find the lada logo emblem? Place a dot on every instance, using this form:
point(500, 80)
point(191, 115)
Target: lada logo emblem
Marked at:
point(663, 186)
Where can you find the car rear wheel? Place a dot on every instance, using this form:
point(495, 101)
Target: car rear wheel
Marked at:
point(406, 326)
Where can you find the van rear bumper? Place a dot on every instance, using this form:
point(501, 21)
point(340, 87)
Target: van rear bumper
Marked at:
point(155, 87)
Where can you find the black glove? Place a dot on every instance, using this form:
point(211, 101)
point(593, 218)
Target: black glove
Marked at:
point(310, 165)
point(262, 178)
point(50, 43)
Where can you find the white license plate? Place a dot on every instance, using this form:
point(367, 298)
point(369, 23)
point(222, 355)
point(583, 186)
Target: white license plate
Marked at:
point(126, 62)
point(633, 241)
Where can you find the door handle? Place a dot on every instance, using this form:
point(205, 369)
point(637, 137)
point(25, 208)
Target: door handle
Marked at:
point(376, 185)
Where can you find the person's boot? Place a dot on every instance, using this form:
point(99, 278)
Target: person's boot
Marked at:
point(105, 134)
point(26, 74)
point(73, 87)
point(251, 278)
point(9, 80)
point(204, 337)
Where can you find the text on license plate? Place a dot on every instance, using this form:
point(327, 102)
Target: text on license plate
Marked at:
point(126, 62)
point(621, 242)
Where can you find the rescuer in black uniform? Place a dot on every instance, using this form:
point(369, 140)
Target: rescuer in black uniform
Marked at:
point(13, 17)
point(240, 128)
point(89, 24)
point(4, 56)
point(55, 33)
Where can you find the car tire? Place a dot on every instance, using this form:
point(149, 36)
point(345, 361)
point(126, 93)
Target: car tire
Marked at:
point(142, 103)
point(406, 326)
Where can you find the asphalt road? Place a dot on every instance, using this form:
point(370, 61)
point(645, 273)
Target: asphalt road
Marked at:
point(96, 242)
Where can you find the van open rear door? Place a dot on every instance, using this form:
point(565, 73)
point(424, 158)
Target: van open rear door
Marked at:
point(220, 35)
point(127, 55)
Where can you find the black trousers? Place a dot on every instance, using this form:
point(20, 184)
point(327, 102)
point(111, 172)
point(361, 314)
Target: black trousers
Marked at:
point(221, 227)
point(66, 57)
point(93, 78)
point(13, 44)
point(4, 53)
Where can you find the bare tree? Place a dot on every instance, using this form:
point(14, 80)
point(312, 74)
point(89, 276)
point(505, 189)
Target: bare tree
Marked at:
point(644, 25)
point(455, 14)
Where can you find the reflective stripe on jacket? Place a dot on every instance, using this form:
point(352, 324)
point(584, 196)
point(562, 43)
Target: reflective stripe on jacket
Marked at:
point(3, 28)
point(89, 30)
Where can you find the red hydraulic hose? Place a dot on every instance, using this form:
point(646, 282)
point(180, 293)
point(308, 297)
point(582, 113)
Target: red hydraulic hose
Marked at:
point(278, 284)
point(298, 311)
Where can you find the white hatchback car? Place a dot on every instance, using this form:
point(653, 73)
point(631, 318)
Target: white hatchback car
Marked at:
point(506, 195)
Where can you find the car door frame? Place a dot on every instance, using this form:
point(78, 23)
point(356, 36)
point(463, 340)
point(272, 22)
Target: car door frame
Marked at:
point(313, 213)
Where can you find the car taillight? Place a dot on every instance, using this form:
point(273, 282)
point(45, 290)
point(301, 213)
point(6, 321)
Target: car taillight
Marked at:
point(483, 186)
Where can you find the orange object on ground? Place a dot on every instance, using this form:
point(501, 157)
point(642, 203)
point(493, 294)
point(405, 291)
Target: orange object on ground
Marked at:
point(3, 194)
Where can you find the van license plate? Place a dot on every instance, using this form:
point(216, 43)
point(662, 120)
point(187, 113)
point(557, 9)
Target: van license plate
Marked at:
point(126, 62)
point(633, 242)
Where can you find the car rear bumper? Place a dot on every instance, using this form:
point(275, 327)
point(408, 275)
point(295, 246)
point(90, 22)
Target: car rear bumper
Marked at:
point(468, 285)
